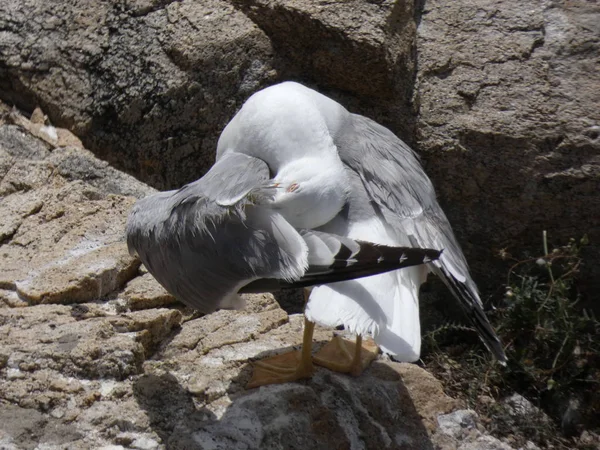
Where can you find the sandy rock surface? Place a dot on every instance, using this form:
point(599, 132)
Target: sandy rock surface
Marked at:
point(95, 354)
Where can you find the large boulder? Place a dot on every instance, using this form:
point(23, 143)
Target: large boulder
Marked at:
point(509, 124)
point(149, 85)
point(135, 80)
point(499, 97)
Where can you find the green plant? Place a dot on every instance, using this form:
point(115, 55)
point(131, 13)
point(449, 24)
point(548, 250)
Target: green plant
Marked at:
point(552, 343)
point(551, 340)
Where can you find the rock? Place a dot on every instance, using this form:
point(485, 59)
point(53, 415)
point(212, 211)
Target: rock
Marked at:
point(485, 443)
point(62, 236)
point(70, 161)
point(500, 99)
point(520, 408)
point(589, 438)
point(39, 127)
point(24, 424)
point(182, 69)
point(507, 123)
point(337, 46)
point(170, 405)
point(17, 142)
point(461, 430)
point(86, 340)
point(79, 164)
point(196, 396)
point(152, 326)
point(458, 423)
point(144, 292)
point(163, 59)
point(516, 410)
point(424, 390)
point(66, 250)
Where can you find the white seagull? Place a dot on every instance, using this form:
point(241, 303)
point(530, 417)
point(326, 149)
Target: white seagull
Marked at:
point(300, 191)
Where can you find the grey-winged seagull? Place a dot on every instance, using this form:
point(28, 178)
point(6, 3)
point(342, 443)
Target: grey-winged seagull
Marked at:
point(305, 193)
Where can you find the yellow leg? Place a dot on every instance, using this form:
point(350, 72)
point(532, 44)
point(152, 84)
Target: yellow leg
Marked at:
point(344, 356)
point(286, 367)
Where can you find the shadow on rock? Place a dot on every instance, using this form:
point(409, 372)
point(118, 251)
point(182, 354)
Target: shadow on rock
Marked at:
point(329, 411)
point(169, 406)
point(291, 300)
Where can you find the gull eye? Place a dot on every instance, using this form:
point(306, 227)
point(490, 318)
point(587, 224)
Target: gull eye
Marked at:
point(292, 187)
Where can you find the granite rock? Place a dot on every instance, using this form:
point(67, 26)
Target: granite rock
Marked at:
point(498, 97)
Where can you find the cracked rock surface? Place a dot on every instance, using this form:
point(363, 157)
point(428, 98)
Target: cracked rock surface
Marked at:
point(499, 97)
point(62, 239)
point(509, 124)
point(95, 354)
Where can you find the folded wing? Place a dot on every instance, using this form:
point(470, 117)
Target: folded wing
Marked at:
point(333, 258)
point(218, 236)
point(206, 240)
point(395, 181)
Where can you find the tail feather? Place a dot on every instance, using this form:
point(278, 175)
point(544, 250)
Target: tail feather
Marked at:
point(400, 337)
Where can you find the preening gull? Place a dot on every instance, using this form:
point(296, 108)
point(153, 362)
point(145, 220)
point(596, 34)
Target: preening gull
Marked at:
point(305, 193)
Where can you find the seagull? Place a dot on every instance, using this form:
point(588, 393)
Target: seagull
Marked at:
point(304, 193)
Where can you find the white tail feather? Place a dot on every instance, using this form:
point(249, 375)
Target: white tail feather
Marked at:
point(402, 335)
point(384, 306)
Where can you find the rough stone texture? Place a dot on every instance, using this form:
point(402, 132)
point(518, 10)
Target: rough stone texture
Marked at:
point(499, 97)
point(461, 429)
point(144, 292)
point(84, 340)
point(62, 237)
point(193, 392)
point(95, 361)
point(359, 52)
point(149, 85)
point(509, 123)
point(135, 79)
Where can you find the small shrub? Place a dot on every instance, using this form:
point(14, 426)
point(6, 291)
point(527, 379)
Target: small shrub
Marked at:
point(551, 343)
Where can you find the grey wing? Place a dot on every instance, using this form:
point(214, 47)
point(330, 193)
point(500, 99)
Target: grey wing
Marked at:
point(209, 238)
point(394, 179)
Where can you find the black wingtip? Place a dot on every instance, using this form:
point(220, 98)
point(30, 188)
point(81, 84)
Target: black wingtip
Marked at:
point(371, 259)
point(473, 310)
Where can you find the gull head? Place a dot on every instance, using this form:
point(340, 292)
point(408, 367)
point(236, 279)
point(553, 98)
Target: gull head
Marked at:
point(310, 192)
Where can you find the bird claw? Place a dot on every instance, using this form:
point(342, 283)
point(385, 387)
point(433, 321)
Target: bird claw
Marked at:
point(342, 356)
point(282, 368)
